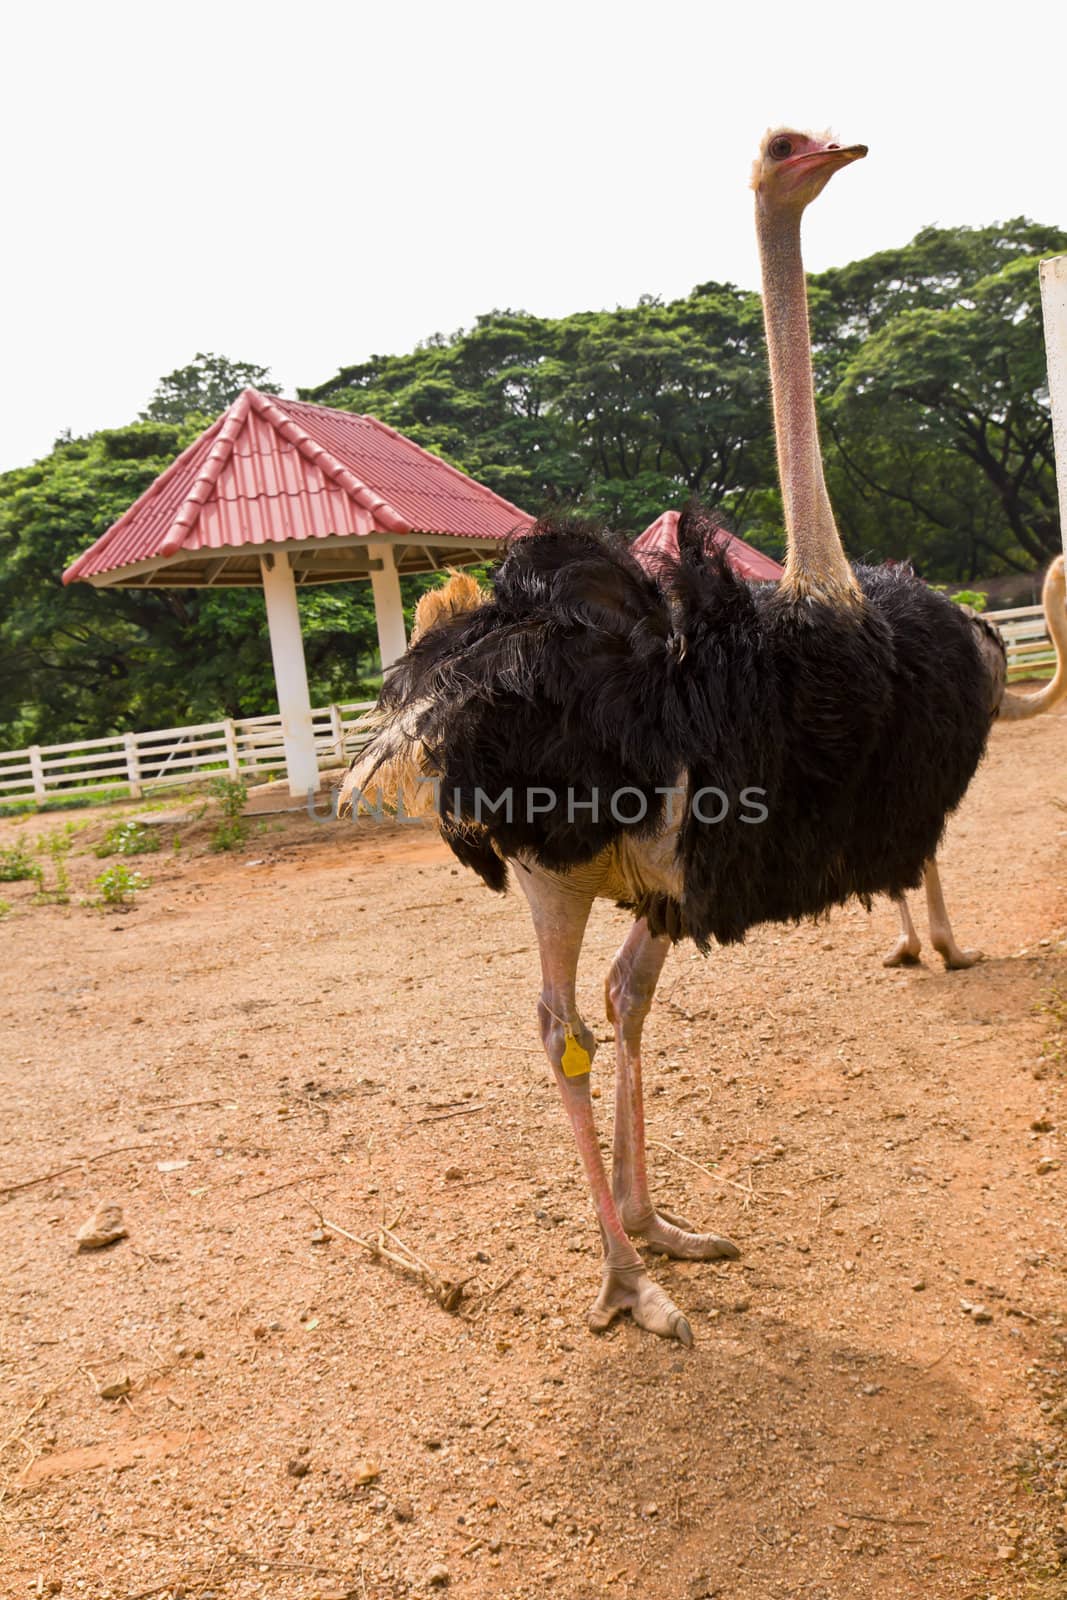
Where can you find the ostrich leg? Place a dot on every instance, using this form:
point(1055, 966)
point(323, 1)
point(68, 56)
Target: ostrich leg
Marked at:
point(941, 936)
point(630, 987)
point(560, 908)
point(905, 953)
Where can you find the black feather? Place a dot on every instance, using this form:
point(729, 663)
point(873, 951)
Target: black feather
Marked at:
point(861, 727)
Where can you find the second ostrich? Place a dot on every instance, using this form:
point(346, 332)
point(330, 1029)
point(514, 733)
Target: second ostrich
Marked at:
point(711, 755)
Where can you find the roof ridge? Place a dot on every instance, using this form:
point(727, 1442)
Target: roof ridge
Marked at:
point(232, 423)
point(315, 452)
point(155, 488)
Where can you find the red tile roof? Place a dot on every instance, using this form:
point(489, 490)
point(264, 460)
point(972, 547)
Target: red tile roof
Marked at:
point(270, 471)
point(661, 538)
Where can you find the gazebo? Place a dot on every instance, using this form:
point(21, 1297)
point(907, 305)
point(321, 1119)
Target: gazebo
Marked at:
point(284, 495)
point(660, 538)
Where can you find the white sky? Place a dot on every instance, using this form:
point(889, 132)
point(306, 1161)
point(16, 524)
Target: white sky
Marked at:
point(303, 185)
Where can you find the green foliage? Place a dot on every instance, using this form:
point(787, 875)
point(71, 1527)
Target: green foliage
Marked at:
point(935, 405)
point(5, 908)
point(57, 845)
point(118, 885)
point(129, 838)
point(975, 598)
point(205, 388)
point(16, 863)
point(232, 795)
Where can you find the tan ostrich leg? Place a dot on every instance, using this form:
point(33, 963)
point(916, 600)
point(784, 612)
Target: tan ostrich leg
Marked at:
point(560, 909)
point(629, 990)
point(905, 953)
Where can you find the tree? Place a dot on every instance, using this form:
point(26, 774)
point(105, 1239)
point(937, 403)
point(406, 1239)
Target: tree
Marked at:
point(932, 366)
point(205, 388)
point(619, 413)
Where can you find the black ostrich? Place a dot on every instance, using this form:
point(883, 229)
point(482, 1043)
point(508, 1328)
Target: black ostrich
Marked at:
point(711, 754)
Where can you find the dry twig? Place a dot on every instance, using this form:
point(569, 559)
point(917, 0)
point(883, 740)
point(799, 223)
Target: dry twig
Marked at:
point(742, 1188)
point(61, 1172)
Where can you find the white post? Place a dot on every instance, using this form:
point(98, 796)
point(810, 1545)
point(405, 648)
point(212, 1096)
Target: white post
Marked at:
point(290, 673)
point(1054, 309)
point(37, 773)
point(133, 765)
point(388, 609)
point(337, 728)
point(229, 733)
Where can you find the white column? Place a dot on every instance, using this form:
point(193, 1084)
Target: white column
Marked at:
point(290, 672)
point(388, 610)
point(1054, 308)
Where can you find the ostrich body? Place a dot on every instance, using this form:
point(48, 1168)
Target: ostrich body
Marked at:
point(851, 709)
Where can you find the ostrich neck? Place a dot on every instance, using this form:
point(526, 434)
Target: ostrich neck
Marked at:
point(816, 562)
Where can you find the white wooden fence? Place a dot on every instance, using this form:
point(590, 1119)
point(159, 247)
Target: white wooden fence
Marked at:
point(1030, 649)
point(236, 747)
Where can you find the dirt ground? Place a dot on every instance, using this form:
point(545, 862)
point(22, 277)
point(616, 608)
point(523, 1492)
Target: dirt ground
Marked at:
point(334, 1022)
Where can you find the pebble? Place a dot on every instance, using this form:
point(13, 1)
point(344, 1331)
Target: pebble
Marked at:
point(104, 1227)
point(366, 1471)
point(452, 1174)
point(403, 1510)
point(1047, 1164)
point(320, 1236)
point(919, 1285)
point(438, 1575)
point(297, 1468)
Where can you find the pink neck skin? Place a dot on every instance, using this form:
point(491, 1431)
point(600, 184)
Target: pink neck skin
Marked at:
point(815, 564)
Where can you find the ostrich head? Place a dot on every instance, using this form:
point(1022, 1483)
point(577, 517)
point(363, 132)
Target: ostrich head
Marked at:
point(792, 168)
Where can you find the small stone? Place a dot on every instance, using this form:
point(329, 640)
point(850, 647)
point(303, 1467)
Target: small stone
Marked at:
point(403, 1510)
point(452, 1174)
point(1005, 1552)
point(298, 1468)
point(919, 1285)
point(104, 1227)
point(650, 1509)
point(320, 1236)
point(740, 1306)
point(549, 1516)
point(366, 1471)
point(432, 1441)
point(981, 1314)
point(870, 1389)
point(1047, 1164)
point(1042, 1124)
point(495, 1547)
point(116, 1389)
point(260, 1330)
point(438, 1576)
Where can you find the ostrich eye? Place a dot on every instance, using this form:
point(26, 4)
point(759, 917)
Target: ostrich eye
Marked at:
point(780, 148)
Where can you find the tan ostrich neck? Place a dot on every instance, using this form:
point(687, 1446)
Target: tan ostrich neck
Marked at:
point(816, 562)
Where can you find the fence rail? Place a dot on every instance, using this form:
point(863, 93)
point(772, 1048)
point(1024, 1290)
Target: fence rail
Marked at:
point(236, 747)
point(1030, 650)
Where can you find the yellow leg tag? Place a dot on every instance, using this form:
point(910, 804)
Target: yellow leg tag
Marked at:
point(576, 1059)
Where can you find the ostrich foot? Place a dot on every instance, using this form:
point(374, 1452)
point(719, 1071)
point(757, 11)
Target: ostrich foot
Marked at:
point(905, 953)
point(668, 1235)
point(631, 1289)
point(957, 960)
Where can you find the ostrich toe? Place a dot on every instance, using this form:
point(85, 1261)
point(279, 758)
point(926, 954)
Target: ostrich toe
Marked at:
point(957, 960)
point(631, 1289)
point(664, 1236)
point(905, 953)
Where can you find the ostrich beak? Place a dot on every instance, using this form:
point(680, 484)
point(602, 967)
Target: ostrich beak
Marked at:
point(833, 156)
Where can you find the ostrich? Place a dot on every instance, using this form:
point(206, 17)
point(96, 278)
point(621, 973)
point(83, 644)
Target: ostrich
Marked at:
point(839, 716)
point(1010, 708)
